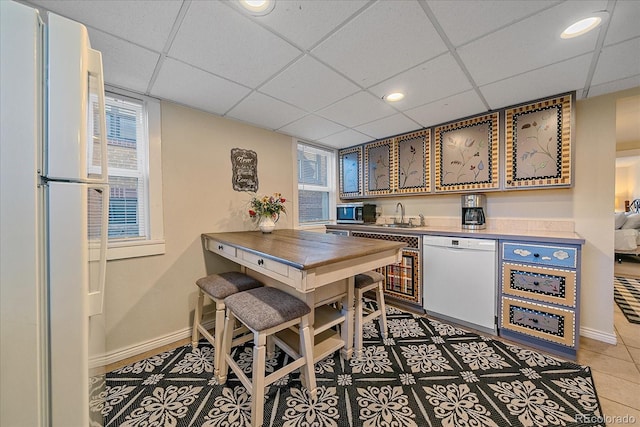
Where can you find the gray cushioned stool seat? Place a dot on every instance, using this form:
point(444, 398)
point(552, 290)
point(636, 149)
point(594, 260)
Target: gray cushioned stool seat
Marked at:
point(368, 278)
point(222, 285)
point(265, 307)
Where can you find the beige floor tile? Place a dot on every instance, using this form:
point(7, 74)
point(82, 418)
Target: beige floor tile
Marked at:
point(617, 414)
point(617, 389)
point(610, 365)
point(635, 354)
point(619, 351)
point(630, 334)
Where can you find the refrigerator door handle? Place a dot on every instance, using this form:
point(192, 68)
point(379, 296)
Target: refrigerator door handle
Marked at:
point(96, 297)
point(94, 68)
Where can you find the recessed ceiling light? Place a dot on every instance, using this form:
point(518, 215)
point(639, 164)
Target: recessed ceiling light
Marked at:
point(258, 7)
point(583, 26)
point(394, 97)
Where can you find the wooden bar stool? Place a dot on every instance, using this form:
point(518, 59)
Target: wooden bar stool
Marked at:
point(365, 282)
point(266, 311)
point(218, 287)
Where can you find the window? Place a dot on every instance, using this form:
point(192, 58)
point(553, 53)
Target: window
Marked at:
point(316, 184)
point(135, 199)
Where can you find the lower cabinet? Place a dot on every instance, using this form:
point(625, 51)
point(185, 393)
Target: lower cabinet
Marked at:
point(539, 294)
point(403, 280)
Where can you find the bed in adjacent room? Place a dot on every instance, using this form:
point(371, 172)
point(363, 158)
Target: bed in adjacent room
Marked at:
point(627, 231)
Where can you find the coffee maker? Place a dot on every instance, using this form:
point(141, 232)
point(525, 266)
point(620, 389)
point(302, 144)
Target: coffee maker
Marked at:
point(473, 207)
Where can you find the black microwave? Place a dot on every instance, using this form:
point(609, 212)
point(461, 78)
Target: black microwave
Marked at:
point(355, 213)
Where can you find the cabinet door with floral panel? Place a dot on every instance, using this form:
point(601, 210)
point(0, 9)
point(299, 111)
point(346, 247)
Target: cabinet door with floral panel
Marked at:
point(350, 176)
point(538, 144)
point(378, 160)
point(467, 155)
point(412, 174)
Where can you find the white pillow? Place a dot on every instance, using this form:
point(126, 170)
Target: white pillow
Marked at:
point(621, 218)
point(633, 221)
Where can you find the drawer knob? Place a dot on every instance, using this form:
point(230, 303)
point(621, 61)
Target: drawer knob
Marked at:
point(260, 261)
point(220, 247)
point(536, 283)
point(536, 255)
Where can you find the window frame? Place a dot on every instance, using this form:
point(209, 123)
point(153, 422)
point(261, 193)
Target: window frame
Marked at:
point(154, 243)
point(331, 183)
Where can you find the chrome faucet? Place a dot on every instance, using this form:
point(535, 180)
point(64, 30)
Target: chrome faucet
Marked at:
point(401, 212)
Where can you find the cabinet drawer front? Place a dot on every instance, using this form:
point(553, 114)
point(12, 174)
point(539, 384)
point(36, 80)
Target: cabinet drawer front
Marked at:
point(540, 321)
point(559, 256)
point(261, 262)
point(221, 248)
point(542, 284)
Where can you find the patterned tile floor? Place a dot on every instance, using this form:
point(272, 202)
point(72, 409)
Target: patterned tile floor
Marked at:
point(615, 368)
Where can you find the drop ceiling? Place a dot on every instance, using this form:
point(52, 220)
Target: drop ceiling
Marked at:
point(318, 69)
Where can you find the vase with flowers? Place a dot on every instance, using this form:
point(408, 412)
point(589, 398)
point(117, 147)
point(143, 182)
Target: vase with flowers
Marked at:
point(266, 210)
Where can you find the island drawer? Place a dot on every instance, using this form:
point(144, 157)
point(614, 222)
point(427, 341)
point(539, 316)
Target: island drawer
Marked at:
point(549, 285)
point(260, 262)
point(538, 320)
point(220, 248)
point(551, 255)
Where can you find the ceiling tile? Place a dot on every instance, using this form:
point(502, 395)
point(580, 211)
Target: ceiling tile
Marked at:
point(312, 127)
point(125, 65)
point(448, 109)
point(393, 125)
point(346, 138)
point(616, 62)
point(265, 111)
point(218, 39)
point(614, 86)
point(552, 80)
point(624, 13)
point(190, 86)
point(481, 17)
point(439, 78)
point(309, 84)
point(307, 22)
point(147, 23)
point(371, 47)
point(357, 109)
point(532, 43)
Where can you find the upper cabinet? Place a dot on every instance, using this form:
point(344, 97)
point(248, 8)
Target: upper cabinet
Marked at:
point(350, 175)
point(398, 165)
point(538, 144)
point(412, 174)
point(536, 139)
point(378, 162)
point(467, 155)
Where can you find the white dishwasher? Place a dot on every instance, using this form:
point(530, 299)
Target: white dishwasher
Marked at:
point(460, 280)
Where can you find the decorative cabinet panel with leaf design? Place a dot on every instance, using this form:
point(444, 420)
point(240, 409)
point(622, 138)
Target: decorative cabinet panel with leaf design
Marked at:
point(539, 295)
point(398, 165)
point(350, 175)
point(412, 173)
point(379, 159)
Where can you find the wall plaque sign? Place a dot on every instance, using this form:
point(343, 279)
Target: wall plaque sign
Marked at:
point(244, 165)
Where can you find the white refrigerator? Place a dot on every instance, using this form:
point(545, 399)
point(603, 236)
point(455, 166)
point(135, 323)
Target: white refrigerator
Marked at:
point(54, 202)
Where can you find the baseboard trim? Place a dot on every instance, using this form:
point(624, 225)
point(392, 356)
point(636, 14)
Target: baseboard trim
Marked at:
point(598, 335)
point(143, 347)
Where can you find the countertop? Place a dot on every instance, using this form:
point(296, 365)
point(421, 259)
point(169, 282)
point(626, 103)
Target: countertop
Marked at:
point(544, 236)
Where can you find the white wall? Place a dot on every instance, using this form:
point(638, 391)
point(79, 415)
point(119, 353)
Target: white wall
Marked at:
point(154, 297)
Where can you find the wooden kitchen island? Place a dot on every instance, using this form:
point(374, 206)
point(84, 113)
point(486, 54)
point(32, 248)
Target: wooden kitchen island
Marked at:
point(317, 268)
